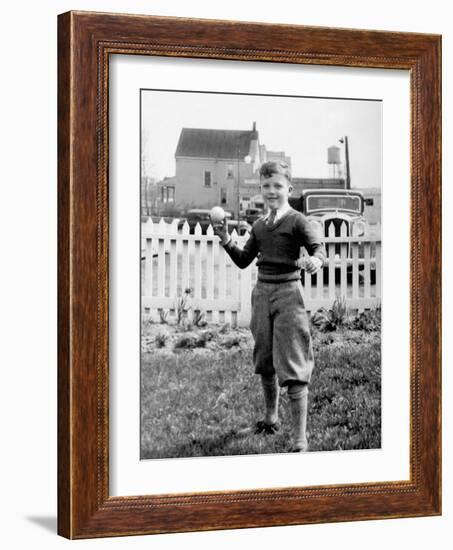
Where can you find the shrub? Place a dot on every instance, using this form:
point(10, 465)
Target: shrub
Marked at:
point(231, 341)
point(333, 319)
point(161, 339)
point(188, 341)
point(204, 337)
point(369, 320)
point(191, 341)
point(224, 328)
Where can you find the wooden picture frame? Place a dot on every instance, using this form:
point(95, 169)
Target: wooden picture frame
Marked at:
point(85, 41)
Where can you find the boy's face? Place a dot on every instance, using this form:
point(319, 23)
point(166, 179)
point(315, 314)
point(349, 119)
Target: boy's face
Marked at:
point(275, 190)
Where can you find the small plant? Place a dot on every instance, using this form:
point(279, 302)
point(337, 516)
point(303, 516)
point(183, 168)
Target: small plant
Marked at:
point(336, 318)
point(147, 320)
point(231, 341)
point(369, 320)
point(182, 306)
point(224, 328)
point(163, 315)
point(199, 318)
point(204, 337)
point(186, 342)
point(161, 339)
point(190, 341)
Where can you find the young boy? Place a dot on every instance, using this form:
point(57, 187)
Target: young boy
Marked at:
point(283, 353)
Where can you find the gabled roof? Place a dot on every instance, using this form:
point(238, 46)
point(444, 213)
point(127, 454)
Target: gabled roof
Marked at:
point(219, 144)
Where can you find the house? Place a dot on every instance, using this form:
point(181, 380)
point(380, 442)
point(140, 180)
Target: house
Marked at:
point(166, 191)
point(214, 167)
point(373, 203)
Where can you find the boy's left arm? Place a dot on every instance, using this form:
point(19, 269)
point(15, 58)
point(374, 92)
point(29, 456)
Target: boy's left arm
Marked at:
point(307, 238)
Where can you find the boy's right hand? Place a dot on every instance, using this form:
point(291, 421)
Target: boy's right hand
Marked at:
point(221, 230)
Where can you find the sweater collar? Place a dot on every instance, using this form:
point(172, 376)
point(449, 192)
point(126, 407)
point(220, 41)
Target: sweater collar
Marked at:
point(279, 212)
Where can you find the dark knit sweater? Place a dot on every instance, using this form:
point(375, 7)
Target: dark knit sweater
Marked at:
point(278, 247)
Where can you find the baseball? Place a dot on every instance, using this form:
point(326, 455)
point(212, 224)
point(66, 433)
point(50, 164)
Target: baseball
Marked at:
point(217, 214)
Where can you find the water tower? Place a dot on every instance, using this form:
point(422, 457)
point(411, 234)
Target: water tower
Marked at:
point(334, 161)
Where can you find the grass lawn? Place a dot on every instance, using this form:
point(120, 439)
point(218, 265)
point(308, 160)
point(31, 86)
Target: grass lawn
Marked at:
point(198, 391)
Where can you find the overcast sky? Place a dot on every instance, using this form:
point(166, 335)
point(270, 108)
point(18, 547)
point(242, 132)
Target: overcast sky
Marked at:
point(301, 127)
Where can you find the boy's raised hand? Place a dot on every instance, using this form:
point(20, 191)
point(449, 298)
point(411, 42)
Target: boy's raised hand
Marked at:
point(312, 264)
point(221, 230)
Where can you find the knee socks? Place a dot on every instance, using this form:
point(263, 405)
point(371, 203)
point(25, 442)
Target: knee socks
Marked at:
point(271, 392)
point(298, 395)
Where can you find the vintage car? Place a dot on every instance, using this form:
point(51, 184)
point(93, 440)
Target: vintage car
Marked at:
point(325, 208)
point(244, 227)
point(252, 214)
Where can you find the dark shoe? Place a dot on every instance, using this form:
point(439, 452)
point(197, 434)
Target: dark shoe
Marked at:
point(260, 427)
point(267, 429)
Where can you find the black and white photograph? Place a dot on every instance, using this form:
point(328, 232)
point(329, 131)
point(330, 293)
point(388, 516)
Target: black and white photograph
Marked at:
point(260, 274)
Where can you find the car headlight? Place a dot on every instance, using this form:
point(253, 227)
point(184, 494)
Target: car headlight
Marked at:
point(359, 229)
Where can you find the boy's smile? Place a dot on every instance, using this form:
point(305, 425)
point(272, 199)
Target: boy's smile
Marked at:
point(275, 191)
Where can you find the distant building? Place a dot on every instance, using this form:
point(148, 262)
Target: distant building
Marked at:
point(209, 165)
point(373, 203)
point(166, 192)
point(300, 184)
point(274, 156)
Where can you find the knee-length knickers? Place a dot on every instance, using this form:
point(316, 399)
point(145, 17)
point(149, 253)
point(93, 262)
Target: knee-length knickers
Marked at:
point(280, 328)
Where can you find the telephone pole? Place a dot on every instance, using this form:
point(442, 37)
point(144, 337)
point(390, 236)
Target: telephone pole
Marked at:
point(346, 154)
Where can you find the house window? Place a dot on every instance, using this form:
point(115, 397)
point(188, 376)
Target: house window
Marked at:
point(207, 179)
point(230, 173)
point(167, 194)
point(223, 195)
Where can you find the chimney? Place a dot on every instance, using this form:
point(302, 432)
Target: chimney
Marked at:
point(254, 127)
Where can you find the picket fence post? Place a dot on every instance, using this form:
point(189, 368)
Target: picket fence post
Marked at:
point(245, 311)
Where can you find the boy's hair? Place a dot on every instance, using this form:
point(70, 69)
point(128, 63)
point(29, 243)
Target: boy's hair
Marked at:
point(268, 169)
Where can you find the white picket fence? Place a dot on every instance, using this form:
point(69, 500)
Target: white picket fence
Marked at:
point(173, 261)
